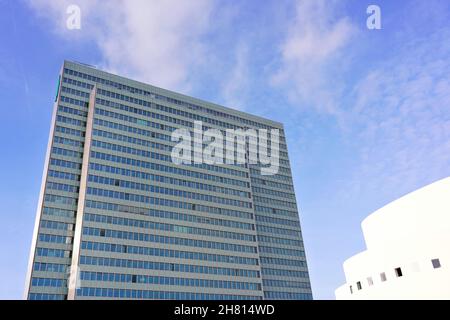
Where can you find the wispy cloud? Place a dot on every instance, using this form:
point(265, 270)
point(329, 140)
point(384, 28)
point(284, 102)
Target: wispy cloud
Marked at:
point(401, 117)
point(160, 42)
point(313, 44)
point(392, 112)
point(236, 85)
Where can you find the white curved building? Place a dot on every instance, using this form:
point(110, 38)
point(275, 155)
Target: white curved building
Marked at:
point(408, 249)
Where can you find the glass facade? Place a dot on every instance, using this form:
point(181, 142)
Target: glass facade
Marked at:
point(118, 219)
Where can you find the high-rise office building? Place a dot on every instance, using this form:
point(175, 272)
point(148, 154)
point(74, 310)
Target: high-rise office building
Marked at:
point(117, 218)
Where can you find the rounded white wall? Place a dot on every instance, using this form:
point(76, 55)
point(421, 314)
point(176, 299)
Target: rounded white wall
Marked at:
point(404, 237)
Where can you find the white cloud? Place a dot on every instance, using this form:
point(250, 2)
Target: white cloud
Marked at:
point(395, 119)
point(236, 85)
point(313, 45)
point(159, 42)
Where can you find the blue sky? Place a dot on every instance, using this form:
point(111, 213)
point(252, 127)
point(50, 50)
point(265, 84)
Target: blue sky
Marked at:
point(366, 112)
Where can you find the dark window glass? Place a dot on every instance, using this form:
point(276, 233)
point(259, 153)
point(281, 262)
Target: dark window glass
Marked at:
point(436, 263)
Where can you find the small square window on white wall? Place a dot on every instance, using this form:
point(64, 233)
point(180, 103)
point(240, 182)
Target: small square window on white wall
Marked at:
point(383, 277)
point(370, 281)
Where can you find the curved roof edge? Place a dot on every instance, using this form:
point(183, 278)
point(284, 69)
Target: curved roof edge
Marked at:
point(442, 183)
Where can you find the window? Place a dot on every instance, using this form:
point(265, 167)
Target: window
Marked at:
point(398, 272)
point(102, 232)
point(436, 263)
point(370, 281)
point(383, 277)
point(351, 289)
point(358, 285)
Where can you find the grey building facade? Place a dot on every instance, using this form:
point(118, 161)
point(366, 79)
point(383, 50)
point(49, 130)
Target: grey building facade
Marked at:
point(118, 219)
